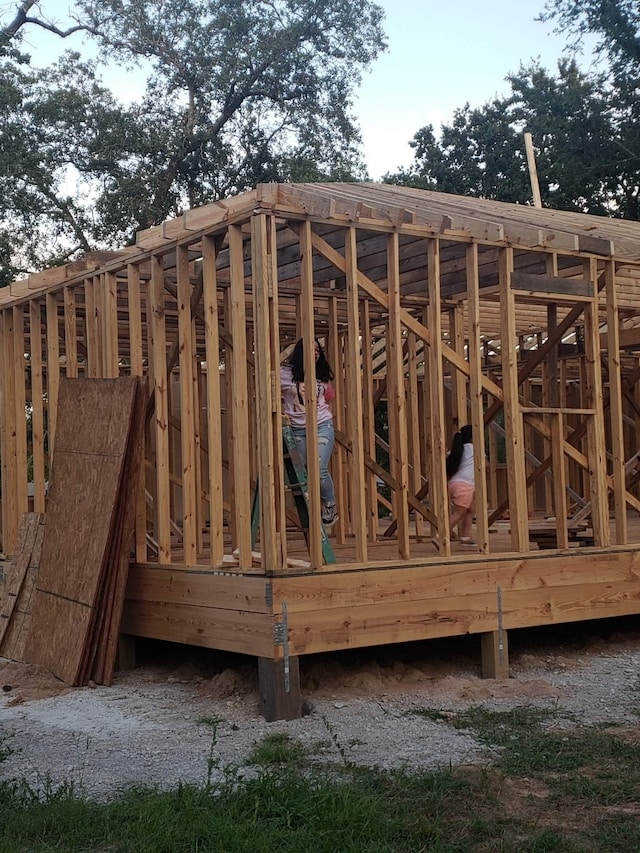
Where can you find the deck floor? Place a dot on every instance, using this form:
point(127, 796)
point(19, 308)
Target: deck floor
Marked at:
point(422, 546)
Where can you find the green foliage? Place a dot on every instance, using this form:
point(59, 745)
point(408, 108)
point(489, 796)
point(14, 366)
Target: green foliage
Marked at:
point(584, 126)
point(237, 92)
point(615, 24)
point(277, 748)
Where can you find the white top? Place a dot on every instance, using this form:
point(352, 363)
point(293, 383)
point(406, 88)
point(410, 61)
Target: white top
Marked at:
point(465, 472)
point(293, 398)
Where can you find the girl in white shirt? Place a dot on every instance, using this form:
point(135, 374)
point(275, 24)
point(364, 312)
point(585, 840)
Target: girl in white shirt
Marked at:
point(461, 483)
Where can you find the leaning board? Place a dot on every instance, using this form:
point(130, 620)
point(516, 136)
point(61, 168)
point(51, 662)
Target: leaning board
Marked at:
point(94, 417)
point(15, 607)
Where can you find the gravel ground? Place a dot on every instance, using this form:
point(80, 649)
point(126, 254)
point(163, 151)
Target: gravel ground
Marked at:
point(185, 719)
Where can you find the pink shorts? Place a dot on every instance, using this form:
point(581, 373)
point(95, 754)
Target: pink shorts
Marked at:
point(461, 493)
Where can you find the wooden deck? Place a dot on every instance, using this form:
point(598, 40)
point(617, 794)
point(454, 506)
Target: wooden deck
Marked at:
point(348, 605)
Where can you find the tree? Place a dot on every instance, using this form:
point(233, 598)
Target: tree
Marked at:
point(237, 91)
point(615, 25)
point(478, 154)
point(584, 132)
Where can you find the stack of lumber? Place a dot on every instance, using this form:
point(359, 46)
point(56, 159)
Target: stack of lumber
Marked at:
point(79, 591)
point(20, 577)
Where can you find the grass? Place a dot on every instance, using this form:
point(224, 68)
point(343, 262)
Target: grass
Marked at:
point(553, 788)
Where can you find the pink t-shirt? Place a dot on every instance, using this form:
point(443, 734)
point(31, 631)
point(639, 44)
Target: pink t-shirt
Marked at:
point(293, 398)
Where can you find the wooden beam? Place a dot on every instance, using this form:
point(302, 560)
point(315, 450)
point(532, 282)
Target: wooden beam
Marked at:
point(161, 505)
point(514, 428)
point(399, 462)
point(353, 355)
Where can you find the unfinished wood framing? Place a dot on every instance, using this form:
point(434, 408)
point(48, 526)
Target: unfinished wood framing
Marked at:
point(434, 311)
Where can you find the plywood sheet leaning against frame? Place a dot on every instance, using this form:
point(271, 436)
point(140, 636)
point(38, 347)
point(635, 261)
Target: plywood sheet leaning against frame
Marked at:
point(88, 526)
point(15, 608)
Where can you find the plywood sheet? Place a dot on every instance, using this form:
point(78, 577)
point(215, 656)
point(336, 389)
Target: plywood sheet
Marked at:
point(94, 418)
point(15, 608)
point(101, 663)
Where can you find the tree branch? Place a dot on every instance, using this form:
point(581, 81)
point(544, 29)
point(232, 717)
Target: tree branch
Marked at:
point(22, 18)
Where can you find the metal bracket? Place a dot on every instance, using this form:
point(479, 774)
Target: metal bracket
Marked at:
point(281, 638)
point(268, 594)
point(500, 628)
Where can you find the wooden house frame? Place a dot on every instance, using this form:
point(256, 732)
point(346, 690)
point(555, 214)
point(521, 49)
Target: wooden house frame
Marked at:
point(438, 310)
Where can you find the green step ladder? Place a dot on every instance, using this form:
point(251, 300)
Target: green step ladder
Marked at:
point(295, 478)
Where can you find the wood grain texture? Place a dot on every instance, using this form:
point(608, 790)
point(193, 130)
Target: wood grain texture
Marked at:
point(94, 420)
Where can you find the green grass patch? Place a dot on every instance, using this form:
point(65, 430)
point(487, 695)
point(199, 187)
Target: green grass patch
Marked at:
point(277, 749)
point(554, 788)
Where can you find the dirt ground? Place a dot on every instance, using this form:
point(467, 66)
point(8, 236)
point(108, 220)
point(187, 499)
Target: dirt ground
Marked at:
point(186, 713)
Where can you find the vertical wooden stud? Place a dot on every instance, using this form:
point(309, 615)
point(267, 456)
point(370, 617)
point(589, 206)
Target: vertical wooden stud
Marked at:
point(438, 483)
point(311, 394)
point(353, 357)
point(413, 423)
point(214, 403)
point(189, 429)
point(162, 509)
point(70, 332)
point(37, 406)
point(459, 380)
point(616, 405)
point(476, 396)
point(239, 403)
point(514, 440)
point(136, 358)
point(592, 390)
point(110, 301)
point(20, 402)
point(398, 445)
point(268, 424)
point(559, 479)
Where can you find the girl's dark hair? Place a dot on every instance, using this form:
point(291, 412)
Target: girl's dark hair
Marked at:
point(323, 369)
point(454, 457)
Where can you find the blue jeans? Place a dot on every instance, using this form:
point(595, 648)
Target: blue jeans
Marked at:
point(326, 440)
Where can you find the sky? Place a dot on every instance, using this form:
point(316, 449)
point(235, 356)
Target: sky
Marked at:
point(440, 56)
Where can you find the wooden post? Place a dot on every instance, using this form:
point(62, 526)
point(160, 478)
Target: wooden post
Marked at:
point(37, 401)
point(279, 686)
point(368, 413)
point(126, 655)
point(134, 307)
point(459, 380)
point(596, 442)
point(533, 172)
point(616, 405)
point(214, 403)
point(476, 394)
point(189, 423)
point(20, 401)
point(161, 432)
point(53, 368)
point(238, 404)
point(353, 355)
point(267, 413)
point(111, 364)
point(70, 333)
point(495, 654)
point(413, 423)
point(398, 446)
point(512, 415)
point(438, 485)
point(311, 394)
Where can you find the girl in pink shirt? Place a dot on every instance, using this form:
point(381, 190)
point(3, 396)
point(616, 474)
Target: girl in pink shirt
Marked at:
point(293, 396)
